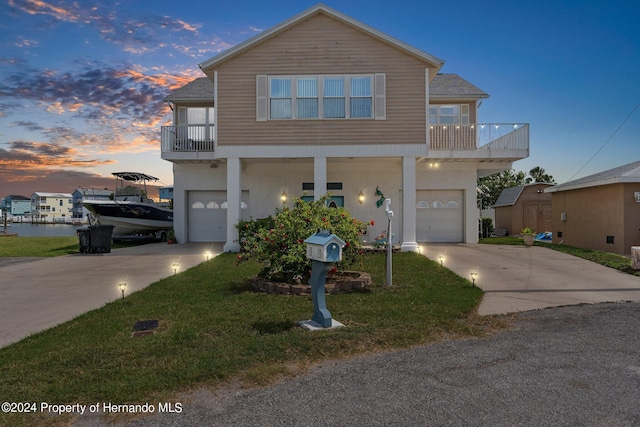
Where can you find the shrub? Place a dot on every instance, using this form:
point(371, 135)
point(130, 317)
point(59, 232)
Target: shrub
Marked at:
point(278, 242)
point(487, 227)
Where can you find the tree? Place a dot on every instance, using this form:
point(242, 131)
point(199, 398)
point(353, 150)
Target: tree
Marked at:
point(538, 174)
point(490, 187)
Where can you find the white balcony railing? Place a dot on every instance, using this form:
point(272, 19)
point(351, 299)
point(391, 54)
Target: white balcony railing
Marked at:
point(489, 136)
point(187, 138)
point(493, 136)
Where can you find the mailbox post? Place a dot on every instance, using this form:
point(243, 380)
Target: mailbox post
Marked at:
point(324, 249)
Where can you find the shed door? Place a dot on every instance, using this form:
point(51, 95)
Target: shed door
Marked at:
point(439, 216)
point(207, 216)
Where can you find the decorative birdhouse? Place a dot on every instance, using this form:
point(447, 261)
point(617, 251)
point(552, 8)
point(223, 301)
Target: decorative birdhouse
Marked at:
point(324, 247)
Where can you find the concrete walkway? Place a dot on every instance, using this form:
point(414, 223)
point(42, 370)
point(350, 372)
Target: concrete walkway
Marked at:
point(517, 278)
point(39, 293)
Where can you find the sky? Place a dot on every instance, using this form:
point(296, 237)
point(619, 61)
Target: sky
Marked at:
point(82, 82)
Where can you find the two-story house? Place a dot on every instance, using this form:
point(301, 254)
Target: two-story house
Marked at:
point(51, 207)
point(323, 103)
point(15, 206)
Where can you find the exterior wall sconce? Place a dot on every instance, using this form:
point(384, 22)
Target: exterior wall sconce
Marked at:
point(361, 197)
point(283, 197)
point(122, 286)
point(175, 267)
point(474, 276)
point(441, 259)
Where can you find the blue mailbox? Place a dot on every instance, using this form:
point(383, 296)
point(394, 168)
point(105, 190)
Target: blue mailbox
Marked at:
point(324, 247)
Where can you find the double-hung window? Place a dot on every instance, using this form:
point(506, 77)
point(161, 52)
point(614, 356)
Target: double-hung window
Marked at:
point(307, 97)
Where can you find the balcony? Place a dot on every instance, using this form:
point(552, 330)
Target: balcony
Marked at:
point(196, 143)
point(478, 141)
point(187, 142)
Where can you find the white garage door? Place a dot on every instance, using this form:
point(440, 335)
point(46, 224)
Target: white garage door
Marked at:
point(439, 216)
point(207, 221)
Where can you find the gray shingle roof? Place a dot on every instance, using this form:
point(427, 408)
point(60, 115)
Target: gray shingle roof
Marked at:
point(452, 86)
point(508, 196)
point(200, 89)
point(625, 173)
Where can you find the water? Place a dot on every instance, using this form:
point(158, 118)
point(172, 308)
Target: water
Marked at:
point(39, 230)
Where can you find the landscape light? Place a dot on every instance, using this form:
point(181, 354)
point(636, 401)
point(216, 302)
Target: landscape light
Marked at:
point(474, 276)
point(123, 287)
point(441, 258)
point(175, 266)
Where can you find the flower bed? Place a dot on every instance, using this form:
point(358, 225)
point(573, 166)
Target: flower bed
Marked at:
point(336, 283)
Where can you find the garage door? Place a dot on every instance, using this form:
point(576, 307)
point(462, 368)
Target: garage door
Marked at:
point(207, 219)
point(439, 216)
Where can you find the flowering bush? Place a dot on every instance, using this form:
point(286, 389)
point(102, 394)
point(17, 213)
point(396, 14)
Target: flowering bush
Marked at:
point(278, 241)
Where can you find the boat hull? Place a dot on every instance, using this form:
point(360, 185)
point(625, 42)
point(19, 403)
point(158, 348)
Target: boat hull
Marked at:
point(130, 217)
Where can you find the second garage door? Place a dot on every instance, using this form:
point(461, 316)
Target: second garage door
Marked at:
point(440, 216)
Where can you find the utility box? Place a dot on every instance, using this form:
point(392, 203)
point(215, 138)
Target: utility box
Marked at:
point(324, 247)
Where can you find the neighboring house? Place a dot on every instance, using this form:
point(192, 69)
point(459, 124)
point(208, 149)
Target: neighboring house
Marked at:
point(323, 103)
point(79, 212)
point(165, 194)
point(524, 206)
point(51, 207)
point(600, 211)
point(15, 205)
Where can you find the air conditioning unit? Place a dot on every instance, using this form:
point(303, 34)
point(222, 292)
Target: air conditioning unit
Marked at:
point(637, 194)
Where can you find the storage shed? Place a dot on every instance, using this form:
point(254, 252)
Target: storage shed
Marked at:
point(524, 206)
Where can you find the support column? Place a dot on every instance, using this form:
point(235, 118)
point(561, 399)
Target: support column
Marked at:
point(319, 177)
point(409, 243)
point(234, 193)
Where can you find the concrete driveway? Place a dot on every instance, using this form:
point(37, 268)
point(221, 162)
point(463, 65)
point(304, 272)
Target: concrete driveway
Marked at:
point(517, 278)
point(39, 293)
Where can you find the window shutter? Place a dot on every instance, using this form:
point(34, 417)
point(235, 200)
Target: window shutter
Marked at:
point(380, 96)
point(261, 98)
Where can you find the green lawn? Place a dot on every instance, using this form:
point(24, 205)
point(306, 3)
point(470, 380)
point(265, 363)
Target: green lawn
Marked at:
point(22, 246)
point(18, 246)
point(214, 327)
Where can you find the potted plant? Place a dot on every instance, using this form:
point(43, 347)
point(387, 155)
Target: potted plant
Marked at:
point(528, 234)
point(171, 237)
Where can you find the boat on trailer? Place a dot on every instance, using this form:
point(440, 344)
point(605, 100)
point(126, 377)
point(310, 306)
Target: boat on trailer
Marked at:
point(130, 211)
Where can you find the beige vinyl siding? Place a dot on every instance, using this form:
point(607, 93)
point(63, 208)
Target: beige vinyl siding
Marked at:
point(321, 45)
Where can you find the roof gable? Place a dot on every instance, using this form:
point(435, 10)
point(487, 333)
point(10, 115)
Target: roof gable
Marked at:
point(208, 65)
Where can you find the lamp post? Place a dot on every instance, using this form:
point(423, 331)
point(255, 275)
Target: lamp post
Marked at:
point(474, 276)
point(389, 242)
point(122, 286)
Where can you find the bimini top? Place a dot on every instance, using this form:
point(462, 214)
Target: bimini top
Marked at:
point(134, 176)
